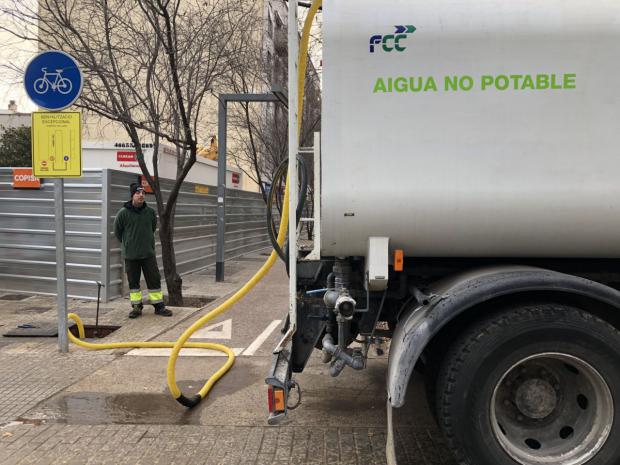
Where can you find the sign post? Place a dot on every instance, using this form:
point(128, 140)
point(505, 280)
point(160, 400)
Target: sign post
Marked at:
point(53, 81)
point(61, 264)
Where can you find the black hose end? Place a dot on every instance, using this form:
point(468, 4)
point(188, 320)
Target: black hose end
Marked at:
point(191, 402)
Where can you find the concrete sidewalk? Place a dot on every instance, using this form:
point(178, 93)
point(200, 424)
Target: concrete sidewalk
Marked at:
point(32, 368)
point(113, 407)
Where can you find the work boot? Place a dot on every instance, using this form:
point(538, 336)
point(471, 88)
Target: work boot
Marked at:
point(161, 310)
point(136, 311)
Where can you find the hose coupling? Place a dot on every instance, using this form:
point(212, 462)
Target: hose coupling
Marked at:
point(345, 305)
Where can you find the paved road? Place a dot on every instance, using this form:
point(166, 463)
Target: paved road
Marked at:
point(113, 407)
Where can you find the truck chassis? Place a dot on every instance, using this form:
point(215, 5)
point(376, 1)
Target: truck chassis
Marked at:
point(520, 357)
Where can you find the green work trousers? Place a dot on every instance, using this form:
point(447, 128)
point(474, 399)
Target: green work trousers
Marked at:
point(148, 266)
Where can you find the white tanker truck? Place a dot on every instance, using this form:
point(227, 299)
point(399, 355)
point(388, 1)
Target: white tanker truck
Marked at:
point(469, 209)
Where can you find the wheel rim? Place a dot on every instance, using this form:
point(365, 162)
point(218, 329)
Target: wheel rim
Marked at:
point(551, 408)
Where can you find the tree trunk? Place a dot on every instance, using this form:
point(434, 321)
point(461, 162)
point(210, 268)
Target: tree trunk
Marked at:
point(173, 280)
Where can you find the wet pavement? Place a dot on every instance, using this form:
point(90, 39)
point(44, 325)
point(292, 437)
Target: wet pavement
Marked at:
point(113, 406)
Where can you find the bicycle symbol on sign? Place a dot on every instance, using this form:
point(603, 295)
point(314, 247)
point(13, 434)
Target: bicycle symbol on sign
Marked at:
point(53, 80)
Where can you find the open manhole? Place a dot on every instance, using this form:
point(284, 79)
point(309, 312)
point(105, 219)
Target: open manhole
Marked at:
point(14, 297)
point(92, 331)
point(192, 301)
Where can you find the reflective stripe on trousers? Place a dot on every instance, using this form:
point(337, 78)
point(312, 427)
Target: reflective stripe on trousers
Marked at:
point(156, 296)
point(135, 296)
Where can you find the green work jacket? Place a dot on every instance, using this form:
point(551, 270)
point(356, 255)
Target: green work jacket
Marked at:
point(135, 228)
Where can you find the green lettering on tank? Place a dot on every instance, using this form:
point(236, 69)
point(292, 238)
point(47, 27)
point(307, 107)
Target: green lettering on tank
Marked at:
point(430, 85)
point(570, 81)
point(542, 81)
point(400, 84)
point(397, 39)
point(386, 48)
point(502, 82)
point(528, 82)
point(415, 84)
point(450, 83)
point(379, 86)
point(455, 83)
point(486, 81)
point(466, 82)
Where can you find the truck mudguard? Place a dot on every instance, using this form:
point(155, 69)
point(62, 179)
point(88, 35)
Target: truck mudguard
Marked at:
point(452, 296)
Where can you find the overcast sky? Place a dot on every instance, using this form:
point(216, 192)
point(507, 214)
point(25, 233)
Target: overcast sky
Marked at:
point(16, 53)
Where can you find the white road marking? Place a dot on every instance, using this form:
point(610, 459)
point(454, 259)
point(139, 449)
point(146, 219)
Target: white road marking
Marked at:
point(157, 352)
point(261, 338)
point(208, 333)
point(225, 331)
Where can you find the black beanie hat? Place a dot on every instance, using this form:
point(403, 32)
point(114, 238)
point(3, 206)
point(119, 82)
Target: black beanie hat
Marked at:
point(133, 188)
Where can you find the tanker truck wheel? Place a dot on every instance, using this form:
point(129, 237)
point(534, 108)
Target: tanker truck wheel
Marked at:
point(533, 385)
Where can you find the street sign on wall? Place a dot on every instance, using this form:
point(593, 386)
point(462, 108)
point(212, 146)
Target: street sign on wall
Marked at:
point(126, 156)
point(53, 80)
point(56, 144)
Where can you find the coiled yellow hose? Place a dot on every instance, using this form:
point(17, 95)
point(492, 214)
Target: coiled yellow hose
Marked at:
point(225, 306)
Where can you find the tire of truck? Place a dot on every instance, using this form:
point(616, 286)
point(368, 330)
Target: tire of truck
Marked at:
point(531, 385)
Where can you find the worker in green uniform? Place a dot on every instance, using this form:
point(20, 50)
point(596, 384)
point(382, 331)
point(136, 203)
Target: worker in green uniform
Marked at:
point(135, 226)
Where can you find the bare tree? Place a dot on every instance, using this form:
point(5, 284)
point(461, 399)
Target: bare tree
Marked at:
point(260, 131)
point(149, 65)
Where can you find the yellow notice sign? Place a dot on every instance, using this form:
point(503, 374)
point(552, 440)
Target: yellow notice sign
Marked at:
point(56, 144)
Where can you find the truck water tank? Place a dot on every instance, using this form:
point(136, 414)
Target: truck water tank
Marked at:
point(472, 129)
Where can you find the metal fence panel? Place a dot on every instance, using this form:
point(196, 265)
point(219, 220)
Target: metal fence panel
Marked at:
point(27, 232)
point(27, 236)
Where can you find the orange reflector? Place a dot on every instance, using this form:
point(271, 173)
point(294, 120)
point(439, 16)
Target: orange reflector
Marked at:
point(399, 260)
point(275, 397)
point(278, 397)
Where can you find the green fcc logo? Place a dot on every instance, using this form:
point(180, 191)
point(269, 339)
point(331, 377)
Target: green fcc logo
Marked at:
point(391, 42)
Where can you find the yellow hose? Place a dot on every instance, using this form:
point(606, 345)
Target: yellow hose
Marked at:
point(134, 344)
point(260, 274)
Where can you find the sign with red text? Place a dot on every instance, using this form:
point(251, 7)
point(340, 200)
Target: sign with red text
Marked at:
point(24, 179)
point(127, 159)
point(126, 156)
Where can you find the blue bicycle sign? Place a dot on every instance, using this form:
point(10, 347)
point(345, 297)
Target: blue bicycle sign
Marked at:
point(58, 84)
point(53, 80)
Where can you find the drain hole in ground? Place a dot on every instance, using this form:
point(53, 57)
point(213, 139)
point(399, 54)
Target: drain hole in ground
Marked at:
point(93, 331)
